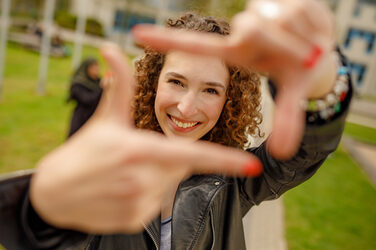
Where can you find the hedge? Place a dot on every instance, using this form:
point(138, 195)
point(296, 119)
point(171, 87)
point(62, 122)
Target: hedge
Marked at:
point(69, 21)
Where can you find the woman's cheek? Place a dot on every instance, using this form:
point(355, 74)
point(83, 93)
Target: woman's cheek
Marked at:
point(214, 111)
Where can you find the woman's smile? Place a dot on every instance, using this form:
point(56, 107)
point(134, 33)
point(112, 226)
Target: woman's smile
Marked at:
point(181, 125)
point(190, 95)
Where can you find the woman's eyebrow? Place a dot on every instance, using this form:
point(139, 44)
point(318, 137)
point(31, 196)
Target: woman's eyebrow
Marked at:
point(216, 84)
point(177, 75)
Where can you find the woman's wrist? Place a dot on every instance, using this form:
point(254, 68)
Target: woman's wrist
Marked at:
point(326, 76)
point(323, 108)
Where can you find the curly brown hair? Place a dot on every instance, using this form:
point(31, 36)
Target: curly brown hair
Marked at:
point(240, 116)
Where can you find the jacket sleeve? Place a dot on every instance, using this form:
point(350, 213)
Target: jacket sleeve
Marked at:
point(84, 95)
point(21, 228)
point(319, 140)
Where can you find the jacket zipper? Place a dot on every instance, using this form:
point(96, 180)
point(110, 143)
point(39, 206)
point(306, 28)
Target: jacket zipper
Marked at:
point(152, 237)
point(213, 229)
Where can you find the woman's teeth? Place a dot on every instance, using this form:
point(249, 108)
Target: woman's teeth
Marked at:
point(183, 124)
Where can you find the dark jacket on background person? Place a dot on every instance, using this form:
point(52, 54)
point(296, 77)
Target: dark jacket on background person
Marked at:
point(86, 92)
point(207, 211)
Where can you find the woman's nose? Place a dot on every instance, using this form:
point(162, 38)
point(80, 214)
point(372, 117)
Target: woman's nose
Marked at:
point(187, 105)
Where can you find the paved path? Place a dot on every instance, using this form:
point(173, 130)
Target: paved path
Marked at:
point(264, 227)
point(364, 155)
point(363, 113)
point(362, 107)
point(264, 224)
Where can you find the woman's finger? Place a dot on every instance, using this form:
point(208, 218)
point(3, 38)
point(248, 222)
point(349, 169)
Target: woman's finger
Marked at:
point(288, 121)
point(199, 157)
point(164, 39)
point(299, 18)
point(116, 101)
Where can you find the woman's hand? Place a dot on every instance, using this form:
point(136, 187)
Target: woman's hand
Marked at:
point(284, 38)
point(110, 177)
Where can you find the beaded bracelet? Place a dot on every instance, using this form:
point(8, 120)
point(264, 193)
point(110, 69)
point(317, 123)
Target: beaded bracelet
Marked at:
point(326, 107)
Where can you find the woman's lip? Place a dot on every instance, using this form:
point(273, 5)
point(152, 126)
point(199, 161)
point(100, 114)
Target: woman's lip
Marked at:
point(179, 129)
point(181, 120)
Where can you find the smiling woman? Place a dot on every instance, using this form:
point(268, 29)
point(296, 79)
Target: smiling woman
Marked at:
point(212, 100)
point(187, 104)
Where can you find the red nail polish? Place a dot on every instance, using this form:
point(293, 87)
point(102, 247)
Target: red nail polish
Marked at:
point(253, 168)
point(313, 58)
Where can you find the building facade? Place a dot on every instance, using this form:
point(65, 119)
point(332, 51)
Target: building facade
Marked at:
point(121, 15)
point(356, 32)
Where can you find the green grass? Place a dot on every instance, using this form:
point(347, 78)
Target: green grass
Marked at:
point(361, 133)
point(370, 98)
point(32, 125)
point(335, 209)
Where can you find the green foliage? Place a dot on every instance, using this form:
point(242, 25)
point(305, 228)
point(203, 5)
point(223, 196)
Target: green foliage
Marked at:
point(27, 8)
point(218, 8)
point(67, 20)
point(34, 8)
point(335, 209)
point(230, 8)
point(197, 6)
point(94, 27)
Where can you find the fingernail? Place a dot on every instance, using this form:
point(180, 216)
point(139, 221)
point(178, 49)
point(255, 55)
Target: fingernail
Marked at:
point(108, 74)
point(313, 58)
point(253, 168)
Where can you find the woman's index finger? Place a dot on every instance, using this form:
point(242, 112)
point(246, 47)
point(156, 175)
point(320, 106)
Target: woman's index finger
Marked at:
point(165, 39)
point(200, 157)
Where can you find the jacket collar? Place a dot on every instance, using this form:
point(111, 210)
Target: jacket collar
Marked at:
point(191, 208)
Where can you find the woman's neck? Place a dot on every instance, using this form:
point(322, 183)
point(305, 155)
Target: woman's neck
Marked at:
point(168, 202)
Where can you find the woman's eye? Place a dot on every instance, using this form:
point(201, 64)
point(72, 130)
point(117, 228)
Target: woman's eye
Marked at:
point(212, 91)
point(175, 81)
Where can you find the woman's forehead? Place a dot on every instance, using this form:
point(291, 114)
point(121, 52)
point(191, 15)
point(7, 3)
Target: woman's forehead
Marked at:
point(180, 55)
point(185, 63)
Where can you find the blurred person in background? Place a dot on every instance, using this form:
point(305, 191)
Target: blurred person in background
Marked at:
point(86, 91)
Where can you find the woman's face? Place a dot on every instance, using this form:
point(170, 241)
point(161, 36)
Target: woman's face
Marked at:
point(190, 95)
point(93, 71)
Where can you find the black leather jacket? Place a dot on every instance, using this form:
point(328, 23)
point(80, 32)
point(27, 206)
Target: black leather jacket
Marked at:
point(207, 212)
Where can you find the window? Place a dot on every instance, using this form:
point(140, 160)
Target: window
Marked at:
point(360, 4)
point(368, 36)
point(125, 20)
point(119, 22)
point(358, 71)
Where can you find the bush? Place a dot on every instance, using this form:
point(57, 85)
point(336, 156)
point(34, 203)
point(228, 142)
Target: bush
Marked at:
point(69, 21)
point(94, 27)
point(66, 20)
